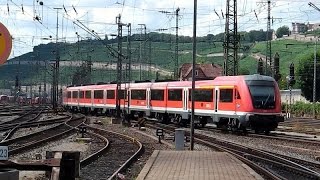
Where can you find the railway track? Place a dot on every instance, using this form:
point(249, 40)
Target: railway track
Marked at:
point(34, 123)
point(114, 158)
point(270, 165)
point(276, 136)
point(28, 116)
point(292, 138)
point(307, 125)
point(17, 123)
point(22, 143)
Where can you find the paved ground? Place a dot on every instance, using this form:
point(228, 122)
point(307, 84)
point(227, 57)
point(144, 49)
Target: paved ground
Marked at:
point(206, 165)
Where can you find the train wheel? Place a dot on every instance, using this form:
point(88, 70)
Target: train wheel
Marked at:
point(163, 118)
point(234, 125)
point(267, 132)
point(244, 130)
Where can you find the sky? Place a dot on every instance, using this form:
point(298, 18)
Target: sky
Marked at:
point(34, 22)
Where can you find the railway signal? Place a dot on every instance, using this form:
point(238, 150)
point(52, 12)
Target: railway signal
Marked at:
point(291, 79)
point(277, 75)
point(260, 67)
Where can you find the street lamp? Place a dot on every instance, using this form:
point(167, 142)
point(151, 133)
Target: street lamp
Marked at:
point(314, 78)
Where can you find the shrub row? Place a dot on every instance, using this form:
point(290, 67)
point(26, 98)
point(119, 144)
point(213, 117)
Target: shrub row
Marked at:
point(301, 109)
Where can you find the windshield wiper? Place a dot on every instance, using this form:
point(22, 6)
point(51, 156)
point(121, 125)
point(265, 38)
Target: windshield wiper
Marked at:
point(265, 103)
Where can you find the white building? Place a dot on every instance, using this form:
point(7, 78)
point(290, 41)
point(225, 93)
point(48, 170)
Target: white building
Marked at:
point(296, 95)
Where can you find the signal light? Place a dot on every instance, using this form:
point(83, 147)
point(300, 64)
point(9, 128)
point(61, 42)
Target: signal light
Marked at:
point(291, 75)
point(260, 67)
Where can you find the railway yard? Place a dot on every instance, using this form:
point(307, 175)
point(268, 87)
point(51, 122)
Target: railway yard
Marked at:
point(121, 151)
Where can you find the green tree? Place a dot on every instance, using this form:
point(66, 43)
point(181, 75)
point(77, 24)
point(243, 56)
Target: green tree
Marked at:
point(255, 35)
point(243, 71)
point(305, 72)
point(283, 30)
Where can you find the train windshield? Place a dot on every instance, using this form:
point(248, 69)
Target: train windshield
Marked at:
point(262, 94)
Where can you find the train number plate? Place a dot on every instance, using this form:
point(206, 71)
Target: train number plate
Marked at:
point(4, 153)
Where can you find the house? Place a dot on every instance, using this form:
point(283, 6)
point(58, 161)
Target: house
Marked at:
point(203, 71)
point(302, 27)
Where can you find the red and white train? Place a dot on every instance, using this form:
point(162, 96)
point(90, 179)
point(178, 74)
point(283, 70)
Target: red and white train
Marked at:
point(235, 102)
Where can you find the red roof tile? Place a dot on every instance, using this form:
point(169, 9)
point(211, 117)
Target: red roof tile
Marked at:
point(210, 70)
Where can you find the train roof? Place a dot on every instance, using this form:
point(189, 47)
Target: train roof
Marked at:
point(218, 81)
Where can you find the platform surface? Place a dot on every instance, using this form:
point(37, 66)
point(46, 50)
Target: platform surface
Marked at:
point(196, 165)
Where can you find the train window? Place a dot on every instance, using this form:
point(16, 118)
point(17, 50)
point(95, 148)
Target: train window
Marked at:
point(202, 95)
point(122, 94)
point(175, 94)
point(98, 94)
point(81, 94)
point(110, 94)
point(74, 94)
point(157, 94)
point(88, 95)
point(138, 94)
point(226, 95)
point(237, 95)
point(69, 94)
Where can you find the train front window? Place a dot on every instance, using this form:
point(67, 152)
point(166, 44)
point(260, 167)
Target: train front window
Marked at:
point(262, 94)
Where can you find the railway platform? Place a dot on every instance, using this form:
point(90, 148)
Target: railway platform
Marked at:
point(200, 165)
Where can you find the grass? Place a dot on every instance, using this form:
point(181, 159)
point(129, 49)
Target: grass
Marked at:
point(162, 55)
point(288, 50)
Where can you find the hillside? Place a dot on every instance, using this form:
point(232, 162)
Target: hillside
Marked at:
point(32, 65)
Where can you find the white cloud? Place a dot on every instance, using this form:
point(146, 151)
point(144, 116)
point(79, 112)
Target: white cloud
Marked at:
point(100, 15)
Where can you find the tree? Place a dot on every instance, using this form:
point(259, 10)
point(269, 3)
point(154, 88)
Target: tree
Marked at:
point(305, 72)
point(255, 35)
point(283, 30)
point(244, 71)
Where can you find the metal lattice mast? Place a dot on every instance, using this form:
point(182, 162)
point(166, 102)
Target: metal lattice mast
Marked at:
point(231, 40)
point(142, 55)
point(176, 62)
point(268, 39)
point(119, 65)
point(128, 64)
point(128, 70)
point(149, 58)
point(144, 50)
point(55, 92)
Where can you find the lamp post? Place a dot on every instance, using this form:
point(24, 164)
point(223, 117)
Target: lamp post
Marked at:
point(56, 69)
point(314, 78)
point(194, 51)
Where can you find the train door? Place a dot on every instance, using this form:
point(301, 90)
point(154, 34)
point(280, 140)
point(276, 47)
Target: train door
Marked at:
point(71, 98)
point(215, 117)
point(216, 99)
point(128, 100)
point(92, 97)
point(148, 98)
point(185, 100)
point(237, 99)
point(104, 97)
point(78, 98)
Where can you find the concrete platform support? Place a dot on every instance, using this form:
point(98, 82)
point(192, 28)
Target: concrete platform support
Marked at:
point(69, 165)
point(9, 174)
point(179, 139)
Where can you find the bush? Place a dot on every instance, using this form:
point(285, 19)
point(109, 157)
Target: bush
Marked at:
point(301, 109)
